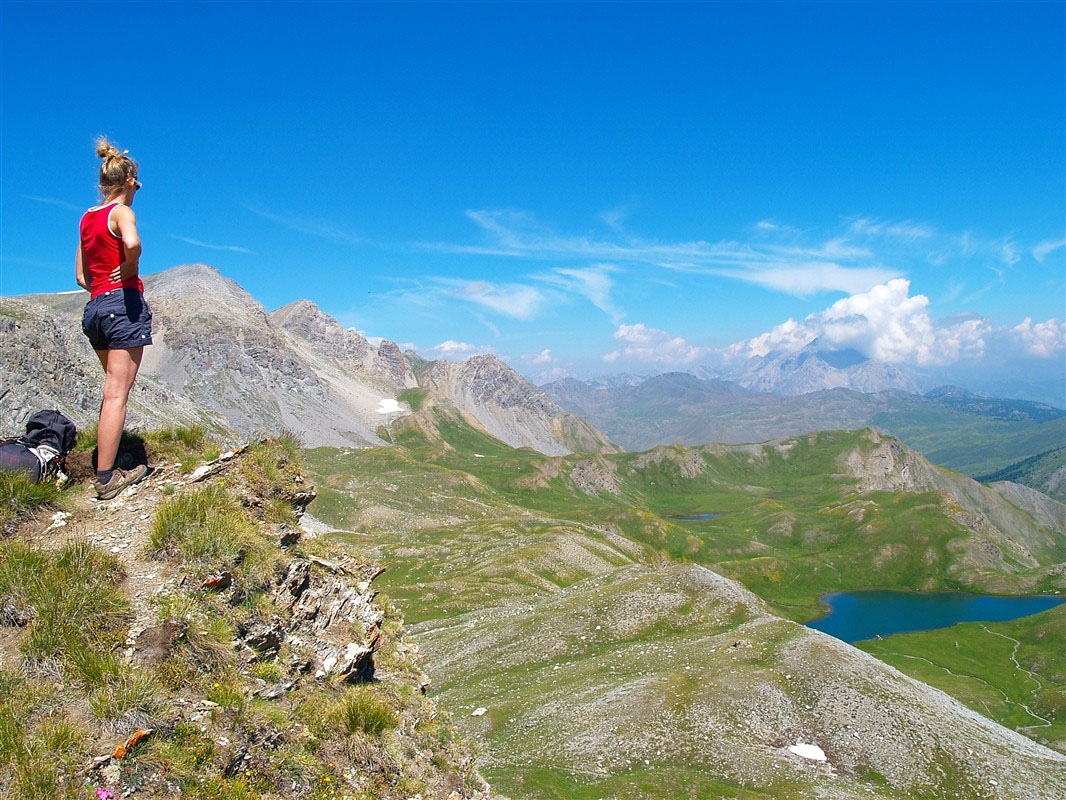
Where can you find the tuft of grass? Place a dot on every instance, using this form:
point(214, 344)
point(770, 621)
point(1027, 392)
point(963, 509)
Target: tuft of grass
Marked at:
point(280, 511)
point(73, 595)
point(364, 709)
point(94, 667)
point(269, 467)
point(40, 751)
point(269, 671)
point(19, 495)
point(206, 526)
point(126, 693)
point(227, 692)
point(205, 645)
point(187, 445)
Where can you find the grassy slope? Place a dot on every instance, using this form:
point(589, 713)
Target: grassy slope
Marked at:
point(790, 529)
point(973, 662)
point(469, 526)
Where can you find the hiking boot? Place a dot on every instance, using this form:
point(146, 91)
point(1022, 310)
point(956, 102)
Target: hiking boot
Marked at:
point(120, 479)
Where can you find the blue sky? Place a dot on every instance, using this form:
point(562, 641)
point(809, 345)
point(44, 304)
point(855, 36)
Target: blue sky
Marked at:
point(625, 186)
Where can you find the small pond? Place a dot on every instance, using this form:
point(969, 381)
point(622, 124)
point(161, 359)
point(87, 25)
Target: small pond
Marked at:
point(694, 517)
point(854, 616)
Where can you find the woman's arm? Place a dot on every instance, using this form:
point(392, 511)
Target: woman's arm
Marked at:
point(126, 222)
point(79, 269)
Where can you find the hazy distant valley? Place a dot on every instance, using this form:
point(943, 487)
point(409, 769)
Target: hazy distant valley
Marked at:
point(952, 427)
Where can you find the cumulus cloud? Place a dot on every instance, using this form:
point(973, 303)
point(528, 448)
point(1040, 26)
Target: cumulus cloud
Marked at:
point(889, 324)
point(453, 348)
point(543, 357)
point(654, 346)
point(1041, 339)
point(886, 323)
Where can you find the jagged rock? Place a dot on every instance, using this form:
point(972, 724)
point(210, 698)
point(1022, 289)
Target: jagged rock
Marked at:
point(511, 408)
point(595, 475)
point(154, 645)
point(331, 617)
point(276, 690)
point(292, 583)
point(262, 637)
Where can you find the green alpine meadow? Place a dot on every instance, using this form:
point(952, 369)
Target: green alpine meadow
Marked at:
point(595, 643)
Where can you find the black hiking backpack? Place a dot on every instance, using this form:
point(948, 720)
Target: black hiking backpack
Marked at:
point(49, 437)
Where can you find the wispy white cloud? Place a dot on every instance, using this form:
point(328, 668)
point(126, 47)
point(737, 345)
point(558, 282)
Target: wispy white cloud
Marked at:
point(833, 264)
point(491, 327)
point(907, 230)
point(54, 201)
point(593, 283)
point(512, 300)
point(1041, 251)
point(859, 253)
point(614, 217)
point(312, 226)
point(231, 248)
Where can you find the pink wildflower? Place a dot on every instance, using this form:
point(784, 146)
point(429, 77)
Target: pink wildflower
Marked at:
point(104, 794)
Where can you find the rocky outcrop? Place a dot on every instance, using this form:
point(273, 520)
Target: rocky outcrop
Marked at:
point(333, 618)
point(511, 408)
point(217, 357)
point(352, 351)
point(594, 476)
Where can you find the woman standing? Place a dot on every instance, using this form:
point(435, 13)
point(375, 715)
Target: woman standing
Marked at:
point(117, 320)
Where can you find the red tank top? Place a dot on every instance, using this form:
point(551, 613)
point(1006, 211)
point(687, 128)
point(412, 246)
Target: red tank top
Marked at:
point(102, 251)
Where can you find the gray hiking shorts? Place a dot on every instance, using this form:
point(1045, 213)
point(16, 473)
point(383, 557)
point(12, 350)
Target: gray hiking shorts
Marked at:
point(117, 320)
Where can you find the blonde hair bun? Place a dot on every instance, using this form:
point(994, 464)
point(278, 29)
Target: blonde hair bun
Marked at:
point(106, 150)
point(116, 169)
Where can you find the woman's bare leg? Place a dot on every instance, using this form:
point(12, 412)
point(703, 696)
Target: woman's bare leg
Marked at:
point(121, 368)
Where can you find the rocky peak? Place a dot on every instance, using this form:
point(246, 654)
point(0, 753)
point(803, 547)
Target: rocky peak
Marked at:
point(511, 408)
point(198, 289)
point(487, 378)
point(308, 322)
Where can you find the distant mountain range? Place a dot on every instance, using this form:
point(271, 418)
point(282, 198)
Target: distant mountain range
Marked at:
point(816, 368)
point(953, 427)
point(221, 359)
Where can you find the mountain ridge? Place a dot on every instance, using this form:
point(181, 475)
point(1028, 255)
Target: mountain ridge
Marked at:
point(220, 358)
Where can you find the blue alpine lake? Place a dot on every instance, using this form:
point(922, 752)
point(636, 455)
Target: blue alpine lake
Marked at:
point(694, 517)
point(854, 616)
